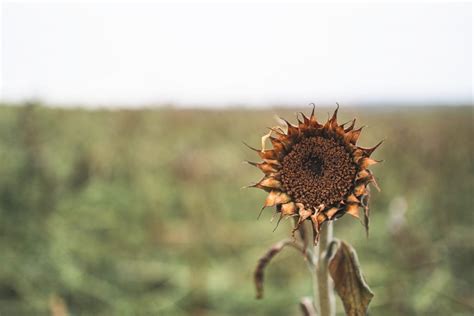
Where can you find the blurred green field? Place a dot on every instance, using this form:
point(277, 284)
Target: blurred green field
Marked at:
point(141, 213)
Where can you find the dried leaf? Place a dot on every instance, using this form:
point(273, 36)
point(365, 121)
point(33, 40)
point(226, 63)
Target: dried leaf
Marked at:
point(265, 260)
point(348, 280)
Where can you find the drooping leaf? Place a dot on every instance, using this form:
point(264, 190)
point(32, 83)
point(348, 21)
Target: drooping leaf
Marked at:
point(349, 282)
point(265, 260)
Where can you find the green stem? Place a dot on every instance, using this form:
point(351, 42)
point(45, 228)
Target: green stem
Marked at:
point(323, 289)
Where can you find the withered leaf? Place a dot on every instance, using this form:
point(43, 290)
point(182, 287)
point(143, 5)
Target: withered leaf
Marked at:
point(265, 260)
point(349, 282)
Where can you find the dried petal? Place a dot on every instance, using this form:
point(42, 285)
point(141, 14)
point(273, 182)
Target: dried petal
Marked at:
point(351, 127)
point(366, 162)
point(291, 130)
point(332, 122)
point(288, 209)
point(264, 154)
point(277, 144)
point(270, 183)
point(304, 214)
point(264, 139)
point(357, 155)
point(363, 174)
point(264, 166)
point(369, 151)
point(353, 136)
point(317, 220)
point(352, 199)
point(353, 209)
point(360, 189)
point(331, 212)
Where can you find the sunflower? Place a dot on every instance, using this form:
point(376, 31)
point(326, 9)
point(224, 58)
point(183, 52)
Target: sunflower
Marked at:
point(316, 171)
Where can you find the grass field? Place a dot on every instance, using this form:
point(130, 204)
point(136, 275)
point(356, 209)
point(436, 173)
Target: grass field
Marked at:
point(141, 213)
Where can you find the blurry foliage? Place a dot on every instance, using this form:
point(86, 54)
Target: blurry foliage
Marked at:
point(141, 212)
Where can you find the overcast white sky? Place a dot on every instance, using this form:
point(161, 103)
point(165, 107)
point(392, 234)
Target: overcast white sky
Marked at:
point(230, 54)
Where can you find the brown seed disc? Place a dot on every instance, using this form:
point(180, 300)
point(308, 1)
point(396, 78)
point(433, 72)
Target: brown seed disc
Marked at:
point(317, 171)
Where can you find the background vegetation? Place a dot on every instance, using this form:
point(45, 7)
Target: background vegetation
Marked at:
point(141, 213)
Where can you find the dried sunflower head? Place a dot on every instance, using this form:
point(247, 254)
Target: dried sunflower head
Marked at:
point(316, 171)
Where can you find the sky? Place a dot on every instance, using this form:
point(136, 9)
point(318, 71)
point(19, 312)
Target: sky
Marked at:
point(210, 54)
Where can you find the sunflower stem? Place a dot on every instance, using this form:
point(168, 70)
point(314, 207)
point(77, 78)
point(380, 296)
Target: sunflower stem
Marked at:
point(322, 284)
